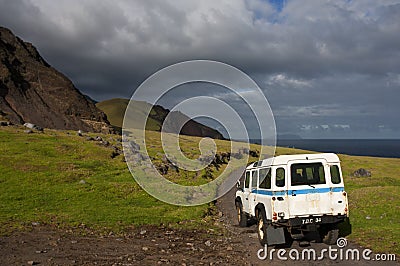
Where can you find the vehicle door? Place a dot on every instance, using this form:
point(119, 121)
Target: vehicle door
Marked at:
point(338, 201)
point(246, 191)
point(264, 194)
point(281, 203)
point(254, 190)
point(307, 186)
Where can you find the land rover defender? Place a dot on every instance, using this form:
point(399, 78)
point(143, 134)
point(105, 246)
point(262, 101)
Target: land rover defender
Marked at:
point(290, 195)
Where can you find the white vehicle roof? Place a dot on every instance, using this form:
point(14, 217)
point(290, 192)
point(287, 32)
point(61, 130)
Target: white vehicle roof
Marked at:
point(285, 159)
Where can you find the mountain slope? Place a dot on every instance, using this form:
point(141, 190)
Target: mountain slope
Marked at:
point(115, 110)
point(33, 91)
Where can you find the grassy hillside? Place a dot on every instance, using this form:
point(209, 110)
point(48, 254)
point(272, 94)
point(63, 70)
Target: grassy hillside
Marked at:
point(115, 111)
point(61, 179)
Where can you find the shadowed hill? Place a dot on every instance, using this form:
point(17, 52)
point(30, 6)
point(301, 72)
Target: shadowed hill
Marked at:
point(115, 110)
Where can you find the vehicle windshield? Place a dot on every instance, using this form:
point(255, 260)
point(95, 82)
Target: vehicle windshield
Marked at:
point(307, 174)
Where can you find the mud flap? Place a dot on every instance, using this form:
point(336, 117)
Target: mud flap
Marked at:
point(275, 236)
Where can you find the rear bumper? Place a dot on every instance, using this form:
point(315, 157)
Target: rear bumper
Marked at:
point(310, 220)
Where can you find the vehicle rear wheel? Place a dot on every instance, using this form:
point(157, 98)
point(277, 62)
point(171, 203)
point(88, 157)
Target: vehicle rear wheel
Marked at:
point(262, 227)
point(241, 216)
point(330, 235)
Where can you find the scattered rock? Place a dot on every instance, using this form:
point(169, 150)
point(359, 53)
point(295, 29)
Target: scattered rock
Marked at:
point(33, 126)
point(74, 242)
point(145, 248)
point(254, 153)
point(362, 173)
point(89, 138)
point(237, 155)
point(28, 131)
point(98, 138)
point(368, 217)
point(143, 232)
point(82, 182)
point(79, 133)
point(244, 151)
point(207, 243)
point(229, 248)
point(31, 262)
point(116, 152)
point(162, 168)
point(35, 223)
point(104, 143)
point(134, 146)
point(40, 251)
point(4, 123)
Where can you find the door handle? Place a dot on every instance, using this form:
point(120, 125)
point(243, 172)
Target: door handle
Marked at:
point(293, 193)
point(247, 198)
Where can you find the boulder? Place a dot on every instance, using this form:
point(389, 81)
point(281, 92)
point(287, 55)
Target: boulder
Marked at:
point(362, 173)
point(33, 126)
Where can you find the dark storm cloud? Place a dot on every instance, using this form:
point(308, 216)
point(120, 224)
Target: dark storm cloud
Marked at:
point(318, 62)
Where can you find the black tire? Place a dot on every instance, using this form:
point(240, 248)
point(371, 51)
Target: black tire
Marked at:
point(330, 235)
point(262, 227)
point(241, 216)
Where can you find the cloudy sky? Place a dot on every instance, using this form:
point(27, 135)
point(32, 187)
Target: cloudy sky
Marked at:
point(330, 69)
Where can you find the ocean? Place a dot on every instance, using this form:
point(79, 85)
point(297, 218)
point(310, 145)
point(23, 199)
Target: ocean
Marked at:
point(363, 147)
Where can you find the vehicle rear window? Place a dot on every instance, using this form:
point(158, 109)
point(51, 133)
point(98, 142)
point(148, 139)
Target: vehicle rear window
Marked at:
point(265, 178)
point(335, 174)
point(307, 174)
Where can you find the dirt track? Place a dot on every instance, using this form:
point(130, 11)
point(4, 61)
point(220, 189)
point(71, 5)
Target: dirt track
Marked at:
point(43, 245)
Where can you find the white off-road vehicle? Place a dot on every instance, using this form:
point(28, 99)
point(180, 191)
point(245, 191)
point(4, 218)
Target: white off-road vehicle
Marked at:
point(291, 195)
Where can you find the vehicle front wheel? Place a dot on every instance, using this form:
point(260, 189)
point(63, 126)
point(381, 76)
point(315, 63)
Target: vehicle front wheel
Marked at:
point(262, 227)
point(241, 216)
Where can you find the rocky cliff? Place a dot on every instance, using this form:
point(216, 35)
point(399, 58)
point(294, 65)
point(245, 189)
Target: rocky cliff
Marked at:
point(33, 91)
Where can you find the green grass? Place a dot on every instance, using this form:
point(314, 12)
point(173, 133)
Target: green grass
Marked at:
point(40, 178)
point(374, 202)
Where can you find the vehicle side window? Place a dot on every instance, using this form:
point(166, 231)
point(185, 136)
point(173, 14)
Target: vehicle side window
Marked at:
point(247, 180)
point(335, 174)
point(254, 179)
point(280, 177)
point(265, 178)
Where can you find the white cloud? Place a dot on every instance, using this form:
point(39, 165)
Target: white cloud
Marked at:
point(284, 81)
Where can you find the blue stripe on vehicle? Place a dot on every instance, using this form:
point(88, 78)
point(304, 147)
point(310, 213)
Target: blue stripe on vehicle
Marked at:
point(297, 192)
point(337, 189)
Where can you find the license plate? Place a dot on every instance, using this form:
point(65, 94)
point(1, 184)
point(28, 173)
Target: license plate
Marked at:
point(310, 220)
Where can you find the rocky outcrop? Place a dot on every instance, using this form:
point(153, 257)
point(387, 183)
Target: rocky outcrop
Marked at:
point(31, 91)
point(362, 173)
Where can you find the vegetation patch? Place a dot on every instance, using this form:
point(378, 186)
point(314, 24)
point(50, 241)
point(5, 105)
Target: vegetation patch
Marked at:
point(64, 180)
